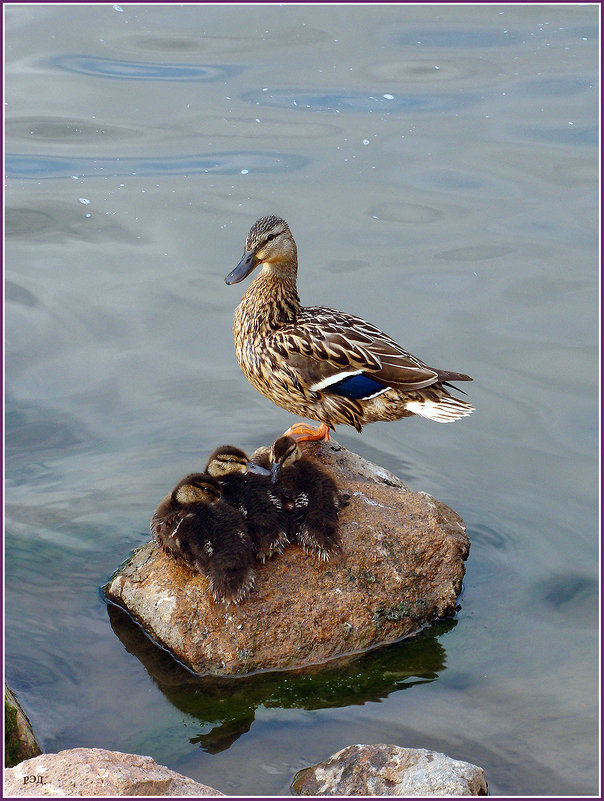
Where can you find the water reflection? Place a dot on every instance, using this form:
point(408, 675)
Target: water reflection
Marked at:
point(483, 536)
point(425, 70)
point(42, 166)
point(451, 37)
point(143, 70)
point(15, 293)
point(341, 100)
point(346, 266)
point(444, 282)
point(65, 129)
point(55, 221)
point(294, 36)
point(582, 33)
point(412, 213)
point(563, 135)
point(552, 87)
point(569, 595)
point(49, 431)
point(475, 253)
point(177, 43)
point(226, 708)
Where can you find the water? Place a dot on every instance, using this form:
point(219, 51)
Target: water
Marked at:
point(438, 166)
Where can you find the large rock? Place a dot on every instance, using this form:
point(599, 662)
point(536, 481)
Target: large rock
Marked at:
point(19, 740)
point(390, 770)
point(97, 772)
point(402, 568)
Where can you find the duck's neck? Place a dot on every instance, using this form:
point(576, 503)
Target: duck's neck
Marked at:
point(273, 296)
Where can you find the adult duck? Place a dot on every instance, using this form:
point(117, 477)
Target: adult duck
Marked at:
point(320, 363)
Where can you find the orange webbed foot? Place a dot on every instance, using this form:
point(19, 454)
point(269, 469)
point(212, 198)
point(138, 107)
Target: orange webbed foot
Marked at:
point(302, 432)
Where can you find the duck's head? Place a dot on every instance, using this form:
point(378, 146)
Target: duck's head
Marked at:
point(284, 451)
point(269, 243)
point(227, 459)
point(197, 488)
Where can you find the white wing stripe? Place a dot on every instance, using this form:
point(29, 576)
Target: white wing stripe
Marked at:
point(333, 379)
point(375, 394)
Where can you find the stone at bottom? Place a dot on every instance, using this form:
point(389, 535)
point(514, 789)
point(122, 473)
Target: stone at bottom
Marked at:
point(402, 568)
point(97, 772)
point(368, 770)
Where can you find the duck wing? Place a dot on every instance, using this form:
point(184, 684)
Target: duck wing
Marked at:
point(341, 353)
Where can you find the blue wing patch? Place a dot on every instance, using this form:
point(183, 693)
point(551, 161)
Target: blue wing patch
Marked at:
point(356, 387)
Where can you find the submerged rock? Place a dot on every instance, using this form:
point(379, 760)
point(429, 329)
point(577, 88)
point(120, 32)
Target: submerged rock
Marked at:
point(402, 568)
point(390, 770)
point(97, 772)
point(19, 740)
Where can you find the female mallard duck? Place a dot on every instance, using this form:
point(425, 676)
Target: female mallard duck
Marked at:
point(195, 526)
point(248, 488)
point(309, 496)
point(321, 363)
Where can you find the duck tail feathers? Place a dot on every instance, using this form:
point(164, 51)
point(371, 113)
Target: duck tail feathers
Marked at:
point(443, 409)
point(449, 375)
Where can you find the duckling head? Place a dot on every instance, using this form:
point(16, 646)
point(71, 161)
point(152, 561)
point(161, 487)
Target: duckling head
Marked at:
point(269, 243)
point(197, 488)
point(284, 451)
point(226, 459)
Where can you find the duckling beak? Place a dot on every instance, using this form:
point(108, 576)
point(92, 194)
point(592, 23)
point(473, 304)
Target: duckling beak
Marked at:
point(275, 471)
point(243, 269)
point(252, 467)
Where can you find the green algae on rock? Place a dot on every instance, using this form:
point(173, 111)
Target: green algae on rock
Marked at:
point(19, 740)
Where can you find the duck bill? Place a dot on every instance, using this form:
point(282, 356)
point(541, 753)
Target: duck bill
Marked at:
point(275, 472)
point(243, 269)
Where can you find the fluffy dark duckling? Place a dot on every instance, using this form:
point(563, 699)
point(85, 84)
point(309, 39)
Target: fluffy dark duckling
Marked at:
point(248, 488)
point(310, 497)
point(198, 528)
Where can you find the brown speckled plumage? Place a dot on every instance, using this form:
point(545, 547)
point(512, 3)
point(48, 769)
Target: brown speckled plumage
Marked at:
point(302, 358)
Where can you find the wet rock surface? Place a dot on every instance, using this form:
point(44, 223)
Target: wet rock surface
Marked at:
point(367, 770)
point(19, 740)
point(402, 568)
point(97, 772)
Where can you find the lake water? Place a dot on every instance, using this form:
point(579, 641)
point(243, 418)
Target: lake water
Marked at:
point(438, 166)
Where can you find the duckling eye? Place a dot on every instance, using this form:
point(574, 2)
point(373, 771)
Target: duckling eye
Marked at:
point(270, 237)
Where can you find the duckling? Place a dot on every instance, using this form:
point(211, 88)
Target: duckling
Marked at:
point(248, 488)
point(309, 495)
point(196, 526)
point(321, 363)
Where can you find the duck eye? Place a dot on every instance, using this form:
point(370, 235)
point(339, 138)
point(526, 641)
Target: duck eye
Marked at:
point(270, 237)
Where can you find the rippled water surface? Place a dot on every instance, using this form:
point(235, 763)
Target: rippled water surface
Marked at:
point(438, 167)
